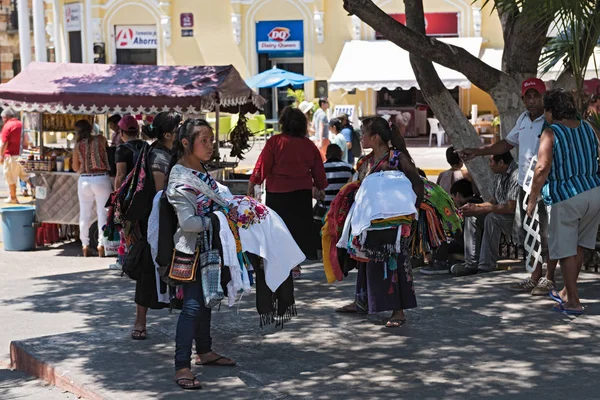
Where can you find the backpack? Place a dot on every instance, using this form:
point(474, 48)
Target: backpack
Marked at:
point(356, 146)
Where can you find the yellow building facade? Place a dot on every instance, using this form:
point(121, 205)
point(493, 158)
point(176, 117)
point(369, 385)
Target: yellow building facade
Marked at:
point(216, 32)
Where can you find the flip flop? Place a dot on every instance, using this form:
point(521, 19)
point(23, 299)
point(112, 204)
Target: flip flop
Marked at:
point(556, 297)
point(567, 311)
point(138, 337)
point(216, 362)
point(188, 387)
point(395, 323)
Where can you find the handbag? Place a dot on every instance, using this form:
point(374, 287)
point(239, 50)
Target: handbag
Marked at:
point(210, 270)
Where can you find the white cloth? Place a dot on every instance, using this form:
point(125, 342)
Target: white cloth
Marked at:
point(240, 281)
point(268, 237)
point(92, 189)
point(381, 195)
point(526, 135)
point(153, 228)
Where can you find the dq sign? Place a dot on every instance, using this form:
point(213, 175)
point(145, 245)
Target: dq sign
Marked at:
point(136, 37)
point(280, 37)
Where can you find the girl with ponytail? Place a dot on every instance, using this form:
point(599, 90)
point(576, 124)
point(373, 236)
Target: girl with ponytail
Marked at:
point(186, 185)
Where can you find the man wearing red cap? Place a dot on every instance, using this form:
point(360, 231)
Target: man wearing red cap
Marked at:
point(526, 135)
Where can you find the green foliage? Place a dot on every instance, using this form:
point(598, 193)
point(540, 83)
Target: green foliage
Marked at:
point(297, 95)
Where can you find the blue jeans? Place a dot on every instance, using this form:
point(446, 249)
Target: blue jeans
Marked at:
point(193, 324)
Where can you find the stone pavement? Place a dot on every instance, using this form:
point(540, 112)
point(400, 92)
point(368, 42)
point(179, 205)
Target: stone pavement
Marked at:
point(469, 339)
point(18, 385)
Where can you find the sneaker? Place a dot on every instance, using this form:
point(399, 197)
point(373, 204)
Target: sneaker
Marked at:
point(526, 285)
point(462, 270)
point(115, 267)
point(8, 200)
point(438, 268)
point(543, 287)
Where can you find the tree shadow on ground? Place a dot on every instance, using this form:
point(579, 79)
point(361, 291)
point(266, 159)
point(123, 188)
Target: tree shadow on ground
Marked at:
point(469, 339)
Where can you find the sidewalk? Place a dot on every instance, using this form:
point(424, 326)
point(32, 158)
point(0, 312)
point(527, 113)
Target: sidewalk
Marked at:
point(470, 338)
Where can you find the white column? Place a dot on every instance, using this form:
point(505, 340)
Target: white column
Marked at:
point(58, 43)
point(24, 32)
point(39, 31)
point(88, 47)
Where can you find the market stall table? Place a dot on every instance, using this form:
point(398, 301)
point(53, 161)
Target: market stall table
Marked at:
point(99, 89)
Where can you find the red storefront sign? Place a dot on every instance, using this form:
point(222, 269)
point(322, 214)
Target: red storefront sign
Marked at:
point(186, 20)
point(436, 24)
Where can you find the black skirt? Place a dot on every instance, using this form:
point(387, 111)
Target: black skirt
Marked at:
point(295, 208)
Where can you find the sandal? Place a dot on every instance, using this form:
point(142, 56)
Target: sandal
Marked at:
point(347, 309)
point(554, 295)
point(195, 385)
point(395, 323)
point(137, 334)
point(220, 361)
point(562, 308)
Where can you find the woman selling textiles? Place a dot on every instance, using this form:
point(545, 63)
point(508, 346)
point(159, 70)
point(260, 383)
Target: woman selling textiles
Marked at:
point(384, 283)
point(242, 225)
point(371, 224)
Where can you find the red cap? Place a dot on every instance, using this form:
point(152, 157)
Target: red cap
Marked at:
point(533, 83)
point(128, 123)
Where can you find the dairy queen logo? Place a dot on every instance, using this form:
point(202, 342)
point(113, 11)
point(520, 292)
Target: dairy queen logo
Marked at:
point(124, 37)
point(279, 34)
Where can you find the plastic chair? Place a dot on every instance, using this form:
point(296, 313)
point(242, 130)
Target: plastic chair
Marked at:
point(435, 129)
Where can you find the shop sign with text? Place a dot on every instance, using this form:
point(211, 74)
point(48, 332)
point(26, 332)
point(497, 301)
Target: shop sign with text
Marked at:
point(280, 37)
point(73, 17)
point(136, 37)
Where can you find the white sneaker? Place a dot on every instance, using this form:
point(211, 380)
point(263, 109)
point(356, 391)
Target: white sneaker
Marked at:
point(8, 200)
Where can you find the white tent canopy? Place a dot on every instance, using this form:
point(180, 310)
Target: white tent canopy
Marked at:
point(493, 57)
point(381, 64)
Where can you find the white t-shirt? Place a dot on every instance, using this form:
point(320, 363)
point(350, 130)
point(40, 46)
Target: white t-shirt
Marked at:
point(320, 124)
point(338, 138)
point(526, 135)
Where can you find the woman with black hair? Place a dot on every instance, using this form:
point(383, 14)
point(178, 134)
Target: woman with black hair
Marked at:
point(291, 165)
point(90, 160)
point(379, 286)
point(566, 175)
point(164, 130)
point(186, 191)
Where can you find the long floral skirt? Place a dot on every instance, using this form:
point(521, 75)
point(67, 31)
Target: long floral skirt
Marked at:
point(380, 289)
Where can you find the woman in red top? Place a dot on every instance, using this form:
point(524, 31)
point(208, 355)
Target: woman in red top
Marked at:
point(291, 165)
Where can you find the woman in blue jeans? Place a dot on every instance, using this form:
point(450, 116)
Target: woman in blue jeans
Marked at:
point(187, 179)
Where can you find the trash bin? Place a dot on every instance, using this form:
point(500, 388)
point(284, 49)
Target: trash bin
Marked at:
point(17, 228)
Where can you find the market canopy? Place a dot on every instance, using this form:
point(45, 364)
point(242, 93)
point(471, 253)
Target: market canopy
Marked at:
point(493, 57)
point(134, 89)
point(381, 64)
point(276, 77)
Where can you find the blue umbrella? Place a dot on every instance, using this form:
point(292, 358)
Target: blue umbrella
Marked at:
point(276, 77)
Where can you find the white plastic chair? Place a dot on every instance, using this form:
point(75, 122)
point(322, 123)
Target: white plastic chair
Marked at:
point(435, 129)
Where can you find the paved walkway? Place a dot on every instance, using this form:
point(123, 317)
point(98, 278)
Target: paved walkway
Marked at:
point(469, 339)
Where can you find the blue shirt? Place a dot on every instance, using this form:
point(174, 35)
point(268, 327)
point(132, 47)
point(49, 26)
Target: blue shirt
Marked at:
point(347, 133)
point(574, 163)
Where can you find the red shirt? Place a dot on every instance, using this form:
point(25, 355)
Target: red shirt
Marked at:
point(289, 163)
point(11, 134)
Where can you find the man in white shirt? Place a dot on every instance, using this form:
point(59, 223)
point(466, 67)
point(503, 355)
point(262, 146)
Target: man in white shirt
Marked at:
point(526, 135)
point(321, 126)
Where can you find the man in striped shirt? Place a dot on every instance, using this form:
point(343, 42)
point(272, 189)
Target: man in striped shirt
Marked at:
point(338, 172)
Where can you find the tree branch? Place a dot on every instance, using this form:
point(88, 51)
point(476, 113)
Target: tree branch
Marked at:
point(478, 72)
point(461, 132)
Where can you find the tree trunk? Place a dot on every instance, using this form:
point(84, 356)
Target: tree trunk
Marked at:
point(459, 129)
